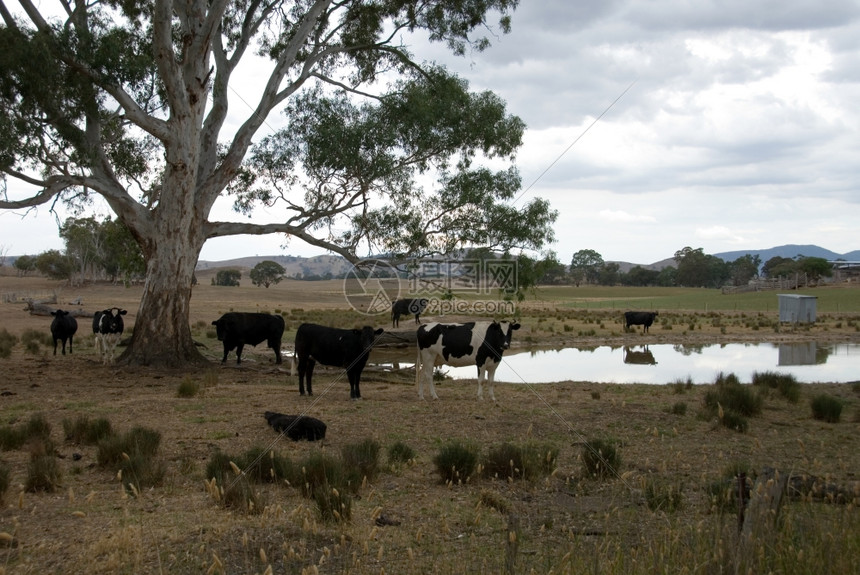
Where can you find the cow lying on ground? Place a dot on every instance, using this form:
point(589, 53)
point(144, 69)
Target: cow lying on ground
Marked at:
point(236, 329)
point(108, 327)
point(296, 427)
point(346, 348)
point(643, 318)
point(477, 343)
point(63, 327)
point(407, 307)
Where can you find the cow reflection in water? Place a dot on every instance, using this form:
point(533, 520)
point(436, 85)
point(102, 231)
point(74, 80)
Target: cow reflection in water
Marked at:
point(644, 357)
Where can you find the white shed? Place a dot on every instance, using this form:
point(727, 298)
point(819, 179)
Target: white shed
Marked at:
point(795, 308)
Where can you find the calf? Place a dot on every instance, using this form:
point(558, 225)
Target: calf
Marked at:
point(643, 318)
point(407, 307)
point(477, 343)
point(346, 348)
point(108, 327)
point(63, 328)
point(296, 427)
point(236, 329)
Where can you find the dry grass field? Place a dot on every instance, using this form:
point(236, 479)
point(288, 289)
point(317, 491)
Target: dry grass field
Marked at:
point(655, 513)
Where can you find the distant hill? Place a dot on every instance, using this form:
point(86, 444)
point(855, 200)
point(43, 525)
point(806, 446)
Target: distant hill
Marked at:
point(317, 266)
point(336, 266)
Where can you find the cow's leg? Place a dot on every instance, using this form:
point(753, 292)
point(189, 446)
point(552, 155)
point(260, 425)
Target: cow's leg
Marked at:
point(239, 353)
point(354, 390)
point(309, 374)
point(491, 380)
point(226, 351)
point(276, 345)
point(481, 372)
point(419, 383)
point(70, 345)
point(431, 383)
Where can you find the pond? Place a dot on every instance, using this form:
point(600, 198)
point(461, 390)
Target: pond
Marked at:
point(809, 362)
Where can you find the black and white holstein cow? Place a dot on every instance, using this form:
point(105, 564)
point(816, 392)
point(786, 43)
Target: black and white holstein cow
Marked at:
point(346, 348)
point(458, 344)
point(236, 329)
point(407, 307)
point(643, 318)
point(108, 327)
point(63, 328)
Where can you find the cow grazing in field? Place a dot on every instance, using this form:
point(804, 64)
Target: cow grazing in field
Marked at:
point(407, 307)
point(643, 318)
point(346, 348)
point(236, 329)
point(458, 344)
point(296, 427)
point(108, 327)
point(63, 327)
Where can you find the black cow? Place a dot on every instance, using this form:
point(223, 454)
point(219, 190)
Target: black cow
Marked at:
point(458, 344)
point(296, 427)
point(346, 348)
point(644, 357)
point(108, 327)
point(236, 329)
point(407, 307)
point(63, 328)
point(643, 318)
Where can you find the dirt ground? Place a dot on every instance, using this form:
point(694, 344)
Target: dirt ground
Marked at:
point(88, 523)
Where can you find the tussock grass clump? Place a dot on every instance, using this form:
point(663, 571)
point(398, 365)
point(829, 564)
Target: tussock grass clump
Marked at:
point(4, 480)
point(86, 431)
point(361, 462)
point(826, 408)
point(7, 342)
point(680, 386)
point(43, 473)
point(456, 461)
point(326, 481)
point(135, 453)
point(263, 465)
point(678, 408)
point(36, 428)
point(33, 340)
point(400, 453)
point(229, 487)
point(495, 501)
point(334, 506)
point(529, 462)
point(732, 402)
point(785, 383)
point(600, 458)
point(663, 496)
point(188, 387)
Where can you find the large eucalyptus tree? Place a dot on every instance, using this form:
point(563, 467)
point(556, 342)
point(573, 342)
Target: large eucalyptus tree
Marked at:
point(128, 100)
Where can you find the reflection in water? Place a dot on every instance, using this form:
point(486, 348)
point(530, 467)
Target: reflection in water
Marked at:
point(644, 357)
point(700, 363)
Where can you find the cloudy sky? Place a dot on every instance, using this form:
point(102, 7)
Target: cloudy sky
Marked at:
point(655, 125)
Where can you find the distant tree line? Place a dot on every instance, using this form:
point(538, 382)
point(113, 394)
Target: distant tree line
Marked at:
point(94, 250)
point(693, 268)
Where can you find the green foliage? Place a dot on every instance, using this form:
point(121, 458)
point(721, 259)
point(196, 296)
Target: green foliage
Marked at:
point(86, 431)
point(600, 458)
point(7, 342)
point(399, 453)
point(585, 266)
point(56, 265)
point(785, 383)
point(228, 278)
point(529, 461)
point(361, 462)
point(188, 387)
point(4, 480)
point(826, 408)
point(697, 269)
point(134, 453)
point(663, 496)
point(267, 273)
point(456, 461)
point(25, 265)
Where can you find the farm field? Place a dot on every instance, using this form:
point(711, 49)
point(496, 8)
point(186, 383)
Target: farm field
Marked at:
point(664, 506)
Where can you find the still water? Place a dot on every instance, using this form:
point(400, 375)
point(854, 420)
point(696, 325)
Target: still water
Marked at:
point(809, 362)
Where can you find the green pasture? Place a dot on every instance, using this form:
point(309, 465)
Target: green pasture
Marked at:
point(830, 299)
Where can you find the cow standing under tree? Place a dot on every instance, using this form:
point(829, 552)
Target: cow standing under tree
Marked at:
point(346, 348)
point(407, 306)
point(643, 318)
point(63, 327)
point(236, 329)
point(459, 344)
point(108, 327)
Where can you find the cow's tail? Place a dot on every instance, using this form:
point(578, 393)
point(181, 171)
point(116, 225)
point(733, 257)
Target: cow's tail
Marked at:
point(293, 366)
